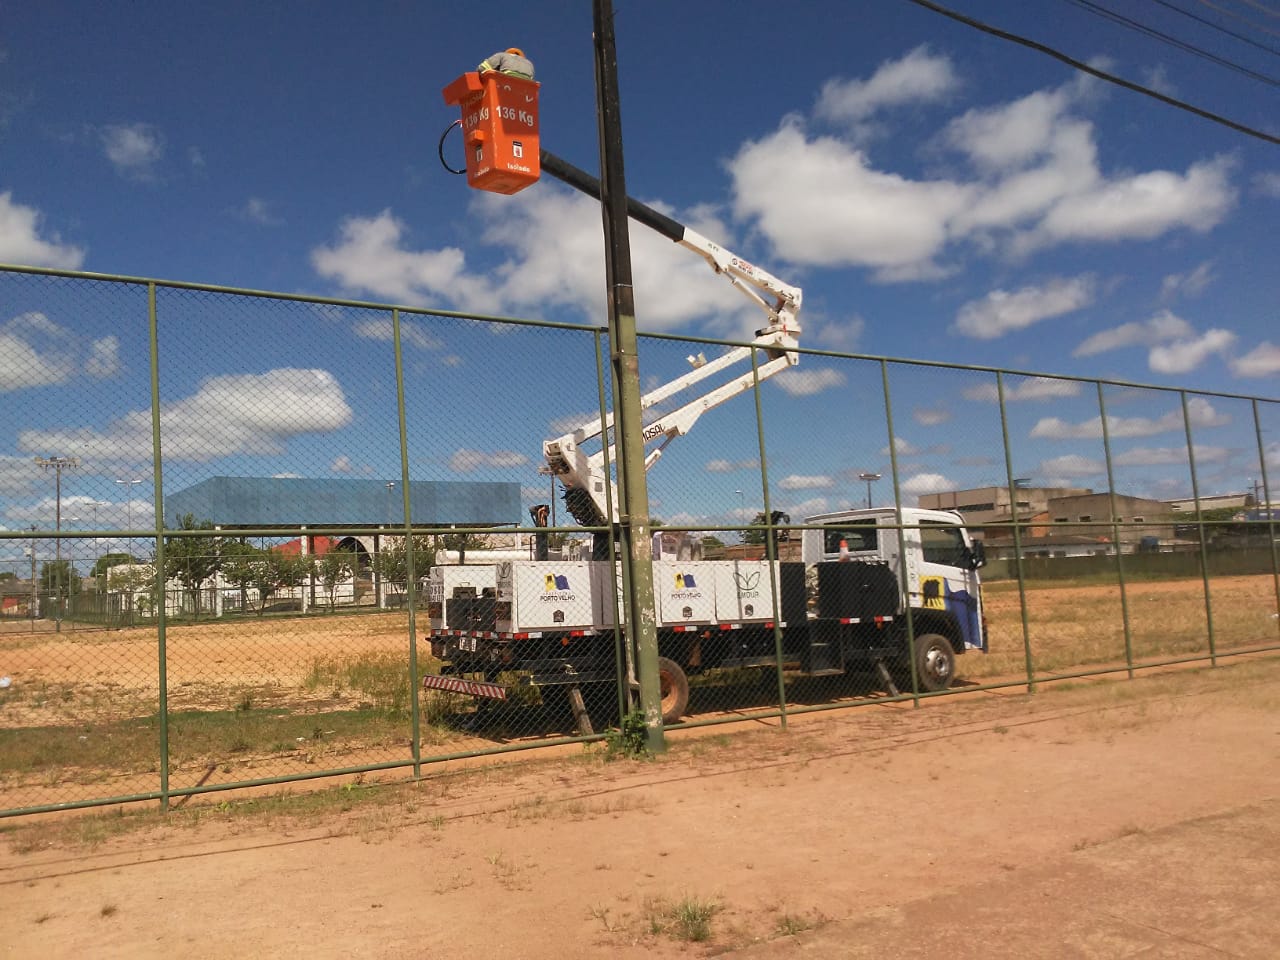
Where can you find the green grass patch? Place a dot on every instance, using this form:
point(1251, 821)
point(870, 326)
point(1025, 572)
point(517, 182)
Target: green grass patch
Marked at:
point(688, 918)
point(382, 679)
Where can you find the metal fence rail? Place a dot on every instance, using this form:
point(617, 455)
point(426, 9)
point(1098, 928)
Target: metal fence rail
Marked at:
point(218, 510)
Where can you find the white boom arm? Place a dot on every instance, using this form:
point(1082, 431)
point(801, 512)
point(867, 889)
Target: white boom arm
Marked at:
point(583, 475)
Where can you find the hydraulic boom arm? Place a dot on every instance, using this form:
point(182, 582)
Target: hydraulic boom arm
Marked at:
point(583, 475)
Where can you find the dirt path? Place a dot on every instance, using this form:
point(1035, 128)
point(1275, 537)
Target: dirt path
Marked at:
point(886, 822)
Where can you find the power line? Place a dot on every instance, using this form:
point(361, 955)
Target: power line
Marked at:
point(1209, 23)
point(1261, 6)
point(1172, 41)
point(1239, 16)
point(1094, 71)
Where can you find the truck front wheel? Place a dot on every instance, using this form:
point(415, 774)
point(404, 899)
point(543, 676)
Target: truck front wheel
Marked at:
point(935, 662)
point(674, 686)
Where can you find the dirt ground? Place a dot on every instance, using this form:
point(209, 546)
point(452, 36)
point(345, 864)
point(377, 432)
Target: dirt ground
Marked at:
point(1102, 819)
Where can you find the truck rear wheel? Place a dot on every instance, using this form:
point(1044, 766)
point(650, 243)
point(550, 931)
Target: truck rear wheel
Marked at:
point(935, 662)
point(674, 686)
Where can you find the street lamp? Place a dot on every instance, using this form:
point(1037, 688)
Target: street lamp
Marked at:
point(128, 512)
point(57, 465)
point(868, 478)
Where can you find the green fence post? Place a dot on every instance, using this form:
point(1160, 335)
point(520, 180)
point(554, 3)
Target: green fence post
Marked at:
point(157, 473)
point(1115, 533)
point(1200, 529)
point(1266, 495)
point(411, 574)
point(902, 536)
point(770, 541)
point(1017, 534)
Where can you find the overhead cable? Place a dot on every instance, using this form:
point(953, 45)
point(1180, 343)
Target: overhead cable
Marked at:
point(1239, 16)
point(1095, 72)
point(1217, 26)
point(1173, 41)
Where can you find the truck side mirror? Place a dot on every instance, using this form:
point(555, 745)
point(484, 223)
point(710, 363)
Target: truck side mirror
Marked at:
point(977, 555)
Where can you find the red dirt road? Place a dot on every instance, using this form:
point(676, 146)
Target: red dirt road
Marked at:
point(1069, 824)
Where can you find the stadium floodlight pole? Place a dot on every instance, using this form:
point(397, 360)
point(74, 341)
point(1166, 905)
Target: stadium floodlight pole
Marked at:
point(57, 465)
point(128, 512)
point(869, 478)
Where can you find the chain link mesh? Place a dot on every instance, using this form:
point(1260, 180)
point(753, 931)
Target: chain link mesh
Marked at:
point(297, 569)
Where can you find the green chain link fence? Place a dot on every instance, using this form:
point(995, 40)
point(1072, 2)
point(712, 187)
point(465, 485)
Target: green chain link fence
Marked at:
point(221, 512)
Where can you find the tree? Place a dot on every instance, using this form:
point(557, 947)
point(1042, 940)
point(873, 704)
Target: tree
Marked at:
point(334, 567)
point(392, 562)
point(7, 575)
point(292, 569)
point(192, 560)
point(109, 560)
point(137, 584)
point(59, 578)
point(756, 535)
point(251, 569)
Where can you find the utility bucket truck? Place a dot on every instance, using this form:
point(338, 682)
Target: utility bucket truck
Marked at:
point(896, 592)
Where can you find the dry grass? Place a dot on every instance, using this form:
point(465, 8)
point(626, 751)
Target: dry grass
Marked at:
point(1074, 627)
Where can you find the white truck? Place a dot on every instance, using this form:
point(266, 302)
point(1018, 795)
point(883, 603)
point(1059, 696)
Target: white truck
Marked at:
point(888, 585)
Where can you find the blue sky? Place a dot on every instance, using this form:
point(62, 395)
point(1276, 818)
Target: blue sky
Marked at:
point(938, 193)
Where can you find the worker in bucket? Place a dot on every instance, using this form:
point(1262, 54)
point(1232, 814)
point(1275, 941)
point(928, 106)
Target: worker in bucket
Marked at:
point(511, 61)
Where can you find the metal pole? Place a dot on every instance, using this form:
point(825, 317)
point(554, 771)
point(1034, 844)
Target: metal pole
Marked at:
point(1200, 528)
point(157, 479)
point(633, 524)
point(57, 464)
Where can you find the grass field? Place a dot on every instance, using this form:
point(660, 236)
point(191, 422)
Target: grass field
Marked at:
point(257, 698)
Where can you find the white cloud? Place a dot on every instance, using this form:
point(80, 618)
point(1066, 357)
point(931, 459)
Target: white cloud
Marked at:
point(1071, 465)
point(1162, 327)
point(1011, 134)
point(902, 446)
point(412, 333)
point(21, 243)
point(229, 414)
point(805, 382)
point(135, 150)
point(1032, 388)
point(34, 352)
point(930, 417)
point(554, 259)
point(257, 210)
point(464, 460)
point(1183, 356)
point(341, 464)
point(730, 466)
point(927, 483)
point(1139, 207)
point(1262, 361)
point(799, 482)
point(1167, 456)
point(1000, 311)
point(18, 475)
point(104, 358)
point(841, 335)
point(918, 77)
point(1190, 284)
point(1267, 183)
point(820, 203)
point(1201, 414)
point(807, 508)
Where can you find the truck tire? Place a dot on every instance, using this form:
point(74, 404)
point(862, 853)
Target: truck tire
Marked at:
point(935, 663)
point(674, 687)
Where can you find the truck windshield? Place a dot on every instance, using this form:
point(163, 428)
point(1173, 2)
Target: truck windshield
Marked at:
point(942, 543)
point(857, 535)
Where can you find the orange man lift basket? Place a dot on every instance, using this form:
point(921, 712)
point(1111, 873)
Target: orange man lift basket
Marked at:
point(499, 129)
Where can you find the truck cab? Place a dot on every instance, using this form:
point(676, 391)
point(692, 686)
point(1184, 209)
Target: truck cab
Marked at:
point(940, 574)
